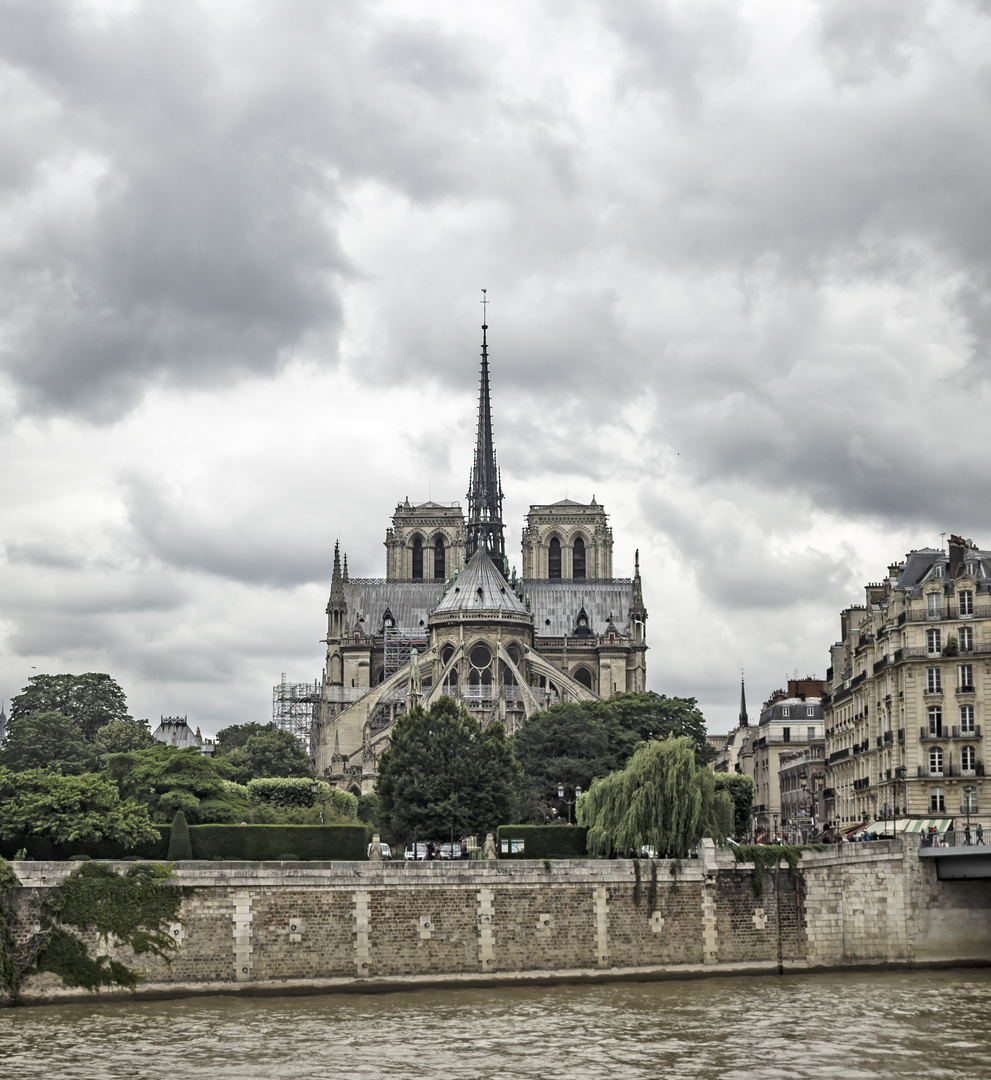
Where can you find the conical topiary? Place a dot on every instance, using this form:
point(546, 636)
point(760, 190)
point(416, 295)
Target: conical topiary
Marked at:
point(180, 846)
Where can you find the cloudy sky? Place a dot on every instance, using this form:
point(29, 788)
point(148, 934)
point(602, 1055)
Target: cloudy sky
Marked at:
point(738, 254)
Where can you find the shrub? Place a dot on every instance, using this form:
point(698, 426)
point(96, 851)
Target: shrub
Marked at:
point(180, 846)
point(288, 857)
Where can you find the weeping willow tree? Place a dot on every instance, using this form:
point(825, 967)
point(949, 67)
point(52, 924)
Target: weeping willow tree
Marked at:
point(661, 800)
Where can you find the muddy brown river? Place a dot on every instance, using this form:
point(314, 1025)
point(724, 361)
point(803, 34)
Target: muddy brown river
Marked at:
point(925, 1024)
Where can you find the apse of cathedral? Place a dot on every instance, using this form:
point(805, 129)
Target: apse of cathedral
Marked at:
point(452, 618)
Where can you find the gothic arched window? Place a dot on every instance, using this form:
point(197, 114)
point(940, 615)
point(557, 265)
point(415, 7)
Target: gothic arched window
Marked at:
point(578, 560)
point(417, 558)
point(584, 676)
point(554, 559)
point(440, 563)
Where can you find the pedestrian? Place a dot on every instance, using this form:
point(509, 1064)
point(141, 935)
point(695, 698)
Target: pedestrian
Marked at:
point(966, 835)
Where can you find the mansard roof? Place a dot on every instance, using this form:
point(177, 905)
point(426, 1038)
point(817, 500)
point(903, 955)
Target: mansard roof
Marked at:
point(480, 587)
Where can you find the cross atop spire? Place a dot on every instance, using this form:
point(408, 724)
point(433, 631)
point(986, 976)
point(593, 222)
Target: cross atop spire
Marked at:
point(484, 528)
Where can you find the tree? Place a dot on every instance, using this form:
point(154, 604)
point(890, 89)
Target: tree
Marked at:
point(167, 779)
point(648, 716)
point(266, 751)
point(662, 800)
point(92, 700)
point(442, 771)
point(230, 738)
point(69, 809)
point(122, 736)
point(741, 790)
point(46, 740)
point(566, 744)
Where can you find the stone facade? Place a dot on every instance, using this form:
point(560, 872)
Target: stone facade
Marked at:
point(321, 925)
point(791, 720)
point(907, 692)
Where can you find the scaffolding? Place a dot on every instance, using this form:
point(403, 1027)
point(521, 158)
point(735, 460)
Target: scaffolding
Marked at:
point(399, 642)
point(294, 708)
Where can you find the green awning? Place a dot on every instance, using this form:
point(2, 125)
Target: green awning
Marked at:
point(913, 825)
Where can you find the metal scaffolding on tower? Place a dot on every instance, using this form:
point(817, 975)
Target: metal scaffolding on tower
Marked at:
point(294, 708)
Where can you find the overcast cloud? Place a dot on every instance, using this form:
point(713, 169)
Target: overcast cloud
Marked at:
point(739, 259)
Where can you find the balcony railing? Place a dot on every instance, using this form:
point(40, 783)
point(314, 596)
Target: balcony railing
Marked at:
point(953, 771)
point(864, 782)
point(950, 611)
point(950, 733)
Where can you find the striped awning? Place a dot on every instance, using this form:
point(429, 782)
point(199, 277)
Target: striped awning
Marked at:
point(912, 825)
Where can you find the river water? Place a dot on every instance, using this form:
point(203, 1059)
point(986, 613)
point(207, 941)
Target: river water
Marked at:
point(932, 1024)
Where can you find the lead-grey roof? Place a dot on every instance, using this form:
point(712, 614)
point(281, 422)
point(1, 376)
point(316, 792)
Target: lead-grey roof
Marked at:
point(480, 587)
point(556, 605)
point(409, 601)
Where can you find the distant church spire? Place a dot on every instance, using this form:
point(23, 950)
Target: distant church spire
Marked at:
point(484, 528)
point(744, 719)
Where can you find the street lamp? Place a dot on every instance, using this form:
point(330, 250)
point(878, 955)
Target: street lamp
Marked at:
point(967, 794)
point(774, 834)
point(314, 788)
point(560, 795)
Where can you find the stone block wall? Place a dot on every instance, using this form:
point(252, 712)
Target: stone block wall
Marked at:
point(314, 924)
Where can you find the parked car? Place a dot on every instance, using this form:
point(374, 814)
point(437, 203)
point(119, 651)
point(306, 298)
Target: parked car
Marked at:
point(386, 850)
point(415, 852)
point(451, 851)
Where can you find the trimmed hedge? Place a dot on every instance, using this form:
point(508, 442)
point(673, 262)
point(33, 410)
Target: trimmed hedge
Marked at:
point(42, 850)
point(267, 842)
point(250, 843)
point(544, 841)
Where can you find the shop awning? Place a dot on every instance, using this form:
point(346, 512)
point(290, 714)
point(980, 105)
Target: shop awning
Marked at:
point(912, 825)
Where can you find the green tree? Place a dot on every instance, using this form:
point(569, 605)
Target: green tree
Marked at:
point(647, 716)
point(92, 699)
point(46, 740)
point(69, 809)
point(442, 770)
point(566, 744)
point(662, 800)
point(167, 779)
point(122, 736)
point(265, 752)
point(741, 791)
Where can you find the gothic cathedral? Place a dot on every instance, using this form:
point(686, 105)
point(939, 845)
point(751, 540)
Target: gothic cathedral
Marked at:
point(450, 618)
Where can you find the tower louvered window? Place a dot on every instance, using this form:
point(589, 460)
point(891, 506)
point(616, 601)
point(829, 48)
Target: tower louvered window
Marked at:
point(578, 560)
point(440, 564)
point(554, 559)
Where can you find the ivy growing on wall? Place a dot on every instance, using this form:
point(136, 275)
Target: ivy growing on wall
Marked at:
point(10, 972)
point(133, 908)
point(767, 856)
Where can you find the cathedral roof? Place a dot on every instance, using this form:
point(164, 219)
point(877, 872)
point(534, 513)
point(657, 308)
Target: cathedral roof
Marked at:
point(409, 603)
point(556, 605)
point(480, 587)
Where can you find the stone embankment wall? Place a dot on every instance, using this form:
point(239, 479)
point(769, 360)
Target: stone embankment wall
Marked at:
point(306, 926)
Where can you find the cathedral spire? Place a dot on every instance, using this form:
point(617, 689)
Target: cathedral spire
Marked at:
point(484, 528)
point(744, 719)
